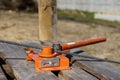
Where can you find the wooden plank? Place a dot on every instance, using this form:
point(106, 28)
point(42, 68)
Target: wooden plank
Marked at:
point(2, 75)
point(104, 68)
point(100, 70)
point(76, 74)
point(47, 19)
point(22, 69)
point(91, 71)
point(6, 68)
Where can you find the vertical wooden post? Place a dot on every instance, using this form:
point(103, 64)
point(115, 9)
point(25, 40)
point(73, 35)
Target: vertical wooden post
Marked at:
point(47, 19)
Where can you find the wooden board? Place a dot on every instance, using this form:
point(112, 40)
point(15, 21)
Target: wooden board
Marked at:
point(76, 74)
point(2, 75)
point(22, 69)
point(109, 70)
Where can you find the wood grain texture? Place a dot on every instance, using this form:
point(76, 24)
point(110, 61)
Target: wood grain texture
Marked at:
point(108, 70)
point(22, 69)
point(8, 72)
point(47, 19)
point(76, 74)
point(2, 75)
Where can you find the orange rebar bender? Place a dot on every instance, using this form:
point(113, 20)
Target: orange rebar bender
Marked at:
point(51, 59)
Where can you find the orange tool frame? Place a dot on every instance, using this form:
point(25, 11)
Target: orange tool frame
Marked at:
point(50, 59)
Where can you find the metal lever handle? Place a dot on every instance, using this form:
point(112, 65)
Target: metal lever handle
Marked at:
point(82, 43)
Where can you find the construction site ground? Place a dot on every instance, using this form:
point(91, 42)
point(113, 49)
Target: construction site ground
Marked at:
point(22, 26)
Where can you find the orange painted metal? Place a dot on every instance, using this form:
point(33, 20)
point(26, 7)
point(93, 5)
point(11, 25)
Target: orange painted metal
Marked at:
point(63, 65)
point(82, 43)
point(47, 54)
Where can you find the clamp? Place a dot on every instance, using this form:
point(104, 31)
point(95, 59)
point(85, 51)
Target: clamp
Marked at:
point(50, 58)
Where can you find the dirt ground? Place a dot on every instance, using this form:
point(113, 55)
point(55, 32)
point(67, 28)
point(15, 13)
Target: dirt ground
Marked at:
point(21, 26)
